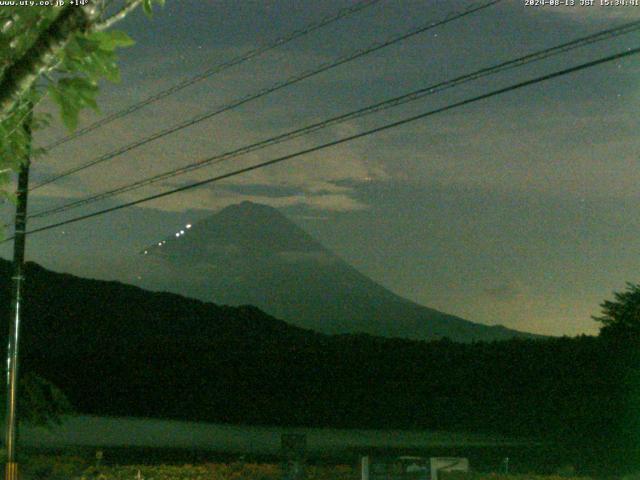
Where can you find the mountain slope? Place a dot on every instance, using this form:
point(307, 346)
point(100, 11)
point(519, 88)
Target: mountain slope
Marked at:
point(115, 349)
point(251, 254)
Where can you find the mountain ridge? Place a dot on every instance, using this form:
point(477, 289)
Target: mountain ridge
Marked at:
point(118, 350)
point(251, 253)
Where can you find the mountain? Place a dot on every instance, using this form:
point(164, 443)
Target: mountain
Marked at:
point(252, 254)
point(118, 350)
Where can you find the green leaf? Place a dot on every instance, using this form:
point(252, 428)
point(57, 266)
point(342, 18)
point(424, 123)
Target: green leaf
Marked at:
point(120, 39)
point(41, 120)
point(100, 63)
point(66, 112)
point(146, 6)
point(94, 55)
point(72, 95)
point(111, 40)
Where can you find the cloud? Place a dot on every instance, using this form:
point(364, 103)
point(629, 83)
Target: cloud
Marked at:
point(309, 217)
point(504, 292)
point(543, 151)
point(215, 201)
point(336, 203)
point(311, 179)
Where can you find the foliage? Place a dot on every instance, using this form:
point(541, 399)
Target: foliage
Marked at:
point(56, 468)
point(186, 359)
point(215, 471)
point(71, 467)
point(59, 467)
point(154, 472)
point(69, 74)
point(20, 27)
point(147, 6)
point(498, 476)
point(40, 402)
point(621, 317)
point(87, 59)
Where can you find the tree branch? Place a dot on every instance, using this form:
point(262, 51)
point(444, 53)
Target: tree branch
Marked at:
point(19, 77)
point(116, 17)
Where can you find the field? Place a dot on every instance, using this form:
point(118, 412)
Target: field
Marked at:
point(92, 431)
point(77, 468)
point(166, 449)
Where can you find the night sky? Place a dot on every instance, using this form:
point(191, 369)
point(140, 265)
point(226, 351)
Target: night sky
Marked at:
point(520, 210)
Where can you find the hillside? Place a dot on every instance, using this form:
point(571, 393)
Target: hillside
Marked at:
point(252, 254)
point(119, 350)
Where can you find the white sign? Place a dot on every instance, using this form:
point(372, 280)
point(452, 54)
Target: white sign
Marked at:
point(448, 464)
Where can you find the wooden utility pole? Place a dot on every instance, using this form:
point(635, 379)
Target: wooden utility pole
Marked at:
point(17, 280)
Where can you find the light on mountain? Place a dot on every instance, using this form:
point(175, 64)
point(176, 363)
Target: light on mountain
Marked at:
point(145, 252)
point(188, 225)
point(159, 244)
point(178, 234)
point(181, 232)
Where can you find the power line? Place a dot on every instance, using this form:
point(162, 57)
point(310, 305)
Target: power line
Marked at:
point(216, 69)
point(342, 140)
point(266, 91)
point(393, 102)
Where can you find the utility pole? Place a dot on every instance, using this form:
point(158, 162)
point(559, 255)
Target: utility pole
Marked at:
point(17, 280)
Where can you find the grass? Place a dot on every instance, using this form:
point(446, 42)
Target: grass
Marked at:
point(74, 468)
point(56, 467)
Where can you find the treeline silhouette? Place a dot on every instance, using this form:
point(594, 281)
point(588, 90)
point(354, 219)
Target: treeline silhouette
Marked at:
point(119, 350)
